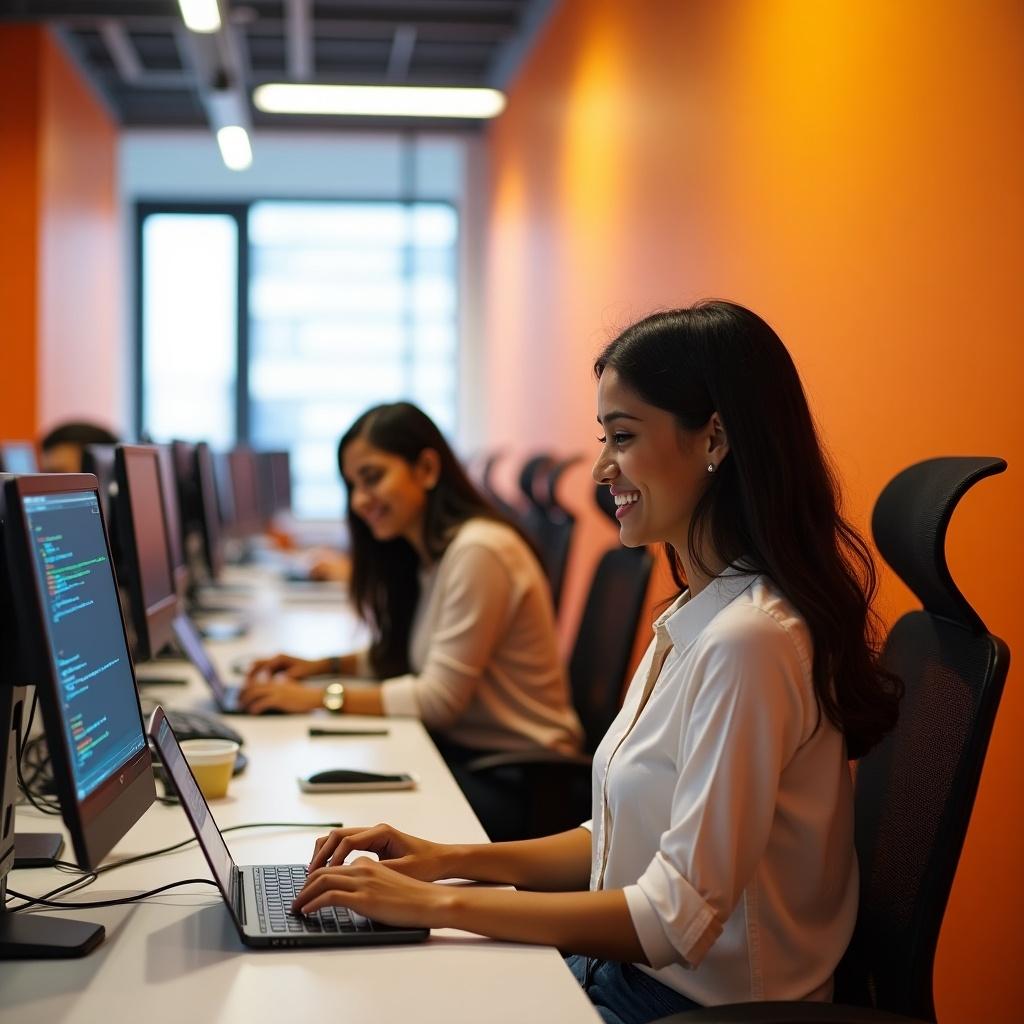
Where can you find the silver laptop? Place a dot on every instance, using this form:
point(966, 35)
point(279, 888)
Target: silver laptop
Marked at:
point(189, 640)
point(259, 896)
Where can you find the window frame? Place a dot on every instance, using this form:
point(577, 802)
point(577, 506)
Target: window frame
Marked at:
point(239, 211)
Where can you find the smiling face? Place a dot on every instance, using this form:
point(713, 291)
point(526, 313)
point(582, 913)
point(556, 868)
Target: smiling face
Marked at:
point(388, 493)
point(656, 469)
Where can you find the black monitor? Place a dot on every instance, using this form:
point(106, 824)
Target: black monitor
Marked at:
point(18, 457)
point(208, 512)
point(245, 495)
point(63, 633)
point(98, 459)
point(173, 518)
point(146, 563)
point(273, 474)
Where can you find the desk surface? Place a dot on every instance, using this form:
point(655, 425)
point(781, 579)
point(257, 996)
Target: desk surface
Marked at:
point(177, 956)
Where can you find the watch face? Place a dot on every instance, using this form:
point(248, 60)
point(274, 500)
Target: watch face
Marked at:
point(334, 697)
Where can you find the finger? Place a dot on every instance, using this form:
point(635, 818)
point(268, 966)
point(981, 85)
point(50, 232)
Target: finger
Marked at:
point(326, 845)
point(262, 702)
point(375, 840)
point(325, 881)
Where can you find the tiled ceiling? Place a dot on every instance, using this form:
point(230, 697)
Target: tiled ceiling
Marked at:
point(152, 72)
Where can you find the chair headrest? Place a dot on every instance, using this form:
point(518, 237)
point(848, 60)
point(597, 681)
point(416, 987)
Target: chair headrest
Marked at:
point(909, 526)
point(555, 475)
point(533, 471)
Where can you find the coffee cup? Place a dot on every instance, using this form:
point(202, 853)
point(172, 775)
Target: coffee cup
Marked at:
point(212, 763)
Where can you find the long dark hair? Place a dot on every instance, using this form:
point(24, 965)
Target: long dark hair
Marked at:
point(385, 580)
point(775, 501)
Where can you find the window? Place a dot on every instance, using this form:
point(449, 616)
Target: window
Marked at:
point(330, 307)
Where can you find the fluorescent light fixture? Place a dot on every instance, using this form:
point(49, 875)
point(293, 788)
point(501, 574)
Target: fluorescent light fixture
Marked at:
point(200, 15)
point(378, 100)
point(234, 147)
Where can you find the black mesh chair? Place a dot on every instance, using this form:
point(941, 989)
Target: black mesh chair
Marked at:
point(491, 493)
point(557, 786)
point(549, 523)
point(915, 791)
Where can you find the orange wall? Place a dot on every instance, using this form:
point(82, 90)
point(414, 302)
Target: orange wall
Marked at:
point(852, 172)
point(19, 253)
point(81, 350)
point(60, 270)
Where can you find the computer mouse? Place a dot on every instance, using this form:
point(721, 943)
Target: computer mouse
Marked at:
point(336, 775)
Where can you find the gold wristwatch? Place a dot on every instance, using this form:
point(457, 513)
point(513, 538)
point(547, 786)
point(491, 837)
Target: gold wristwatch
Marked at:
point(334, 698)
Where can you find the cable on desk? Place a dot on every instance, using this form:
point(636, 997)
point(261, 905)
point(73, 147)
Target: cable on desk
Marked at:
point(39, 764)
point(88, 877)
point(31, 901)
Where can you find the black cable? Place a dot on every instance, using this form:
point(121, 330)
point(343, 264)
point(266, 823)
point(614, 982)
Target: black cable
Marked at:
point(37, 800)
point(88, 877)
point(41, 901)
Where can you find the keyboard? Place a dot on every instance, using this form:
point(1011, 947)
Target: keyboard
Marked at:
point(196, 725)
point(277, 886)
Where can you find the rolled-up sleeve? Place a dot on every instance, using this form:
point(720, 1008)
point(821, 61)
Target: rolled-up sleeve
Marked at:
point(474, 610)
point(746, 720)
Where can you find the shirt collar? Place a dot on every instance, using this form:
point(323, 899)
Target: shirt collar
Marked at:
point(687, 617)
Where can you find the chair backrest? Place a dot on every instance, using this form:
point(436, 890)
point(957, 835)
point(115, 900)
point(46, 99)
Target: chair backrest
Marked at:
point(604, 642)
point(916, 789)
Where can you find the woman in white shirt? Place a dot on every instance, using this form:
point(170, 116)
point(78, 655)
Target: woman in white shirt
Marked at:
point(459, 610)
point(719, 863)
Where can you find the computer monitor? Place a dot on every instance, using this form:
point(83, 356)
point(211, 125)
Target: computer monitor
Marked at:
point(245, 495)
point(62, 631)
point(18, 457)
point(98, 459)
point(146, 563)
point(208, 512)
point(273, 475)
point(173, 518)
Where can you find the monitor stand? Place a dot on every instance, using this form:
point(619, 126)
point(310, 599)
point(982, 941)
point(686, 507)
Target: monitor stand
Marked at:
point(37, 849)
point(23, 935)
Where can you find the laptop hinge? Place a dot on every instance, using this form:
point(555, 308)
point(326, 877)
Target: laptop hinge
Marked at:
point(238, 894)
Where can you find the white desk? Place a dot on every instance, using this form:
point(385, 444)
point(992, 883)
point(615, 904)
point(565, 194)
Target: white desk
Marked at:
point(177, 957)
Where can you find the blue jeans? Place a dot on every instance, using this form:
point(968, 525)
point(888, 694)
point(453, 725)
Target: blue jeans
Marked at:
point(623, 994)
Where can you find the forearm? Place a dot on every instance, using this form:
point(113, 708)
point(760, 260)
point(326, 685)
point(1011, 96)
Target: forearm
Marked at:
point(559, 863)
point(592, 923)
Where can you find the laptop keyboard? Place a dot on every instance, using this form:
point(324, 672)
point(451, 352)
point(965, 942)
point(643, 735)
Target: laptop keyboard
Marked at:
point(194, 725)
point(276, 888)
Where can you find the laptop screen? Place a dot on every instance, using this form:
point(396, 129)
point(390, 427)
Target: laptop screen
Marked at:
point(195, 805)
point(191, 645)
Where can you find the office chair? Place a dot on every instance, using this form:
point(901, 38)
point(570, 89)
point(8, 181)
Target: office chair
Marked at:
point(915, 791)
point(491, 493)
point(557, 786)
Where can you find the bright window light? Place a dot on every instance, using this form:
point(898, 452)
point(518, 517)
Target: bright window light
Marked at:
point(378, 100)
point(234, 147)
point(200, 15)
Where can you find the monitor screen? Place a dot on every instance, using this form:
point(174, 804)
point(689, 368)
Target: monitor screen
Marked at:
point(147, 568)
point(73, 648)
point(208, 511)
point(18, 457)
point(245, 495)
point(172, 516)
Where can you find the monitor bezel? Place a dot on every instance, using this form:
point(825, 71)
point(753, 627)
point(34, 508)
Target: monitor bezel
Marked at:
point(150, 621)
point(247, 511)
point(208, 509)
point(97, 823)
point(172, 507)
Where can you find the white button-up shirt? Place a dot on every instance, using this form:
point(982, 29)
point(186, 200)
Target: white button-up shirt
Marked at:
point(723, 803)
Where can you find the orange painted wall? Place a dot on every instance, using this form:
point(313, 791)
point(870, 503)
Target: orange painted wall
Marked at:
point(852, 172)
point(19, 254)
point(83, 373)
point(60, 269)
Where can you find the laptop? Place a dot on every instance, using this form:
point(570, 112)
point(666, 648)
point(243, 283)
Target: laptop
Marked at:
point(189, 640)
point(259, 896)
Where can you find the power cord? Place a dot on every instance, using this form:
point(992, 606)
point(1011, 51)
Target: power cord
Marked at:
point(31, 901)
point(86, 878)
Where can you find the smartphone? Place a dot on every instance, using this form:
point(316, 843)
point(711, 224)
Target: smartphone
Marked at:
point(344, 780)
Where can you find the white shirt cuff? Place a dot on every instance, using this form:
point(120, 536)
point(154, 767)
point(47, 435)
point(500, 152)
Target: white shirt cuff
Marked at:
point(588, 825)
point(399, 697)
point(686, 922)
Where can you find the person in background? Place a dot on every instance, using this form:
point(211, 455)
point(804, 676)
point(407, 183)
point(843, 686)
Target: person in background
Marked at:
point(60, 451)
point(719, 864)
point(462, 624)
